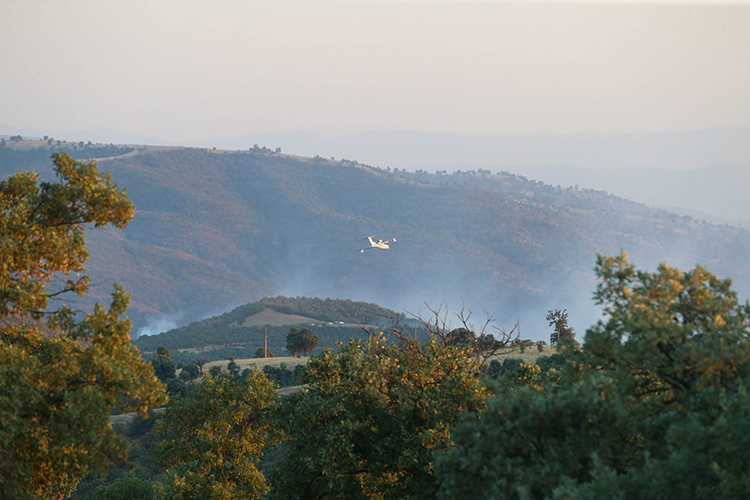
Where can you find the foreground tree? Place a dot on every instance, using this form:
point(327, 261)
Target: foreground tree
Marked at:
point(654, 406)
point(214, 439)
point(373, 416)
point(61, 377)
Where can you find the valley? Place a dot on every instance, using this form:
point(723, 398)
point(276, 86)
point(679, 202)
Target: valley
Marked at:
point(214, 229)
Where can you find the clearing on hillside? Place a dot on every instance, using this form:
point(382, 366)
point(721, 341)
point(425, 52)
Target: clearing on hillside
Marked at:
point(271, 317)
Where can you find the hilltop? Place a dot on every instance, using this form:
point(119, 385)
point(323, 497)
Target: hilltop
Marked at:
point(241, 332)
point(214, 229)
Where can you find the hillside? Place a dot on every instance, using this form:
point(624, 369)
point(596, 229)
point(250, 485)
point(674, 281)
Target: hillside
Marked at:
point(214, 229)
point(241, 332)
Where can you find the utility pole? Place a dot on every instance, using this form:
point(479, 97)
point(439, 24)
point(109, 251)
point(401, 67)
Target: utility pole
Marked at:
point(265, 353)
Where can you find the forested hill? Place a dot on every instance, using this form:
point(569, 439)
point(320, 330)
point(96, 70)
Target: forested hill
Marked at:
point(216, 229)
point(328, 310)
point(240, 331)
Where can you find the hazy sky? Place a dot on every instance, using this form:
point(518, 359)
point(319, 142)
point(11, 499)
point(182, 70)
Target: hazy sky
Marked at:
point(188, 69)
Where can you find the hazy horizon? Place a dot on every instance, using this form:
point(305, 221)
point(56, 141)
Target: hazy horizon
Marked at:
point(188, 72)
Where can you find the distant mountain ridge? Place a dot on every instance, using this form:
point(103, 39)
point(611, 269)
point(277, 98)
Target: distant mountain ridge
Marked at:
point(442, 151)
point(217, 229)
point(717, 191)
point(663, 169)
point(433, 151)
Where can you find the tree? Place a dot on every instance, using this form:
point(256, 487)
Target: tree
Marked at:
point(283, 376)
point(371, 418)
point(301, 341)
point(163, 365)
point(200, 361)
point(460, 336)
point(214, 439)
point(61, 377)
point(559, 320)
point(260, 352)
point(127, 487)
point(654, 405)
point(41, 232)
point(190, 372)
point(232, 367)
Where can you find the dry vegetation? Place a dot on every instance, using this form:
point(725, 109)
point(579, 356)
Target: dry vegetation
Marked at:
point(259, 362)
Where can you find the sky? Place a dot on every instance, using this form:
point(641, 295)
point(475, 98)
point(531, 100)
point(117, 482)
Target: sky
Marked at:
point(190, 70)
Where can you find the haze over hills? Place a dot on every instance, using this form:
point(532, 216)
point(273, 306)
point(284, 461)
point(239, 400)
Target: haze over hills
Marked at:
point(702, 173)
point(715, 192)
point(432, 151)
point(217, 229)
point(241, 331)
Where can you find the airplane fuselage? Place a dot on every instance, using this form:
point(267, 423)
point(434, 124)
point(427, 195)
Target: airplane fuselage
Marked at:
point(377, 244)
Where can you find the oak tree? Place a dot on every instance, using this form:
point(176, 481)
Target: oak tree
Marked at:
point(372, 416)
point(301, 341)
point(61, 374)
point(655, 404)
point(215, 438)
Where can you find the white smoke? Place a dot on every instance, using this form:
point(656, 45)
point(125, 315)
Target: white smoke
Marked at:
point(159, 324)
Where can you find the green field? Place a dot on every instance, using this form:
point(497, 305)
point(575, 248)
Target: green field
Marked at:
point(529, 356)
point(290, 362)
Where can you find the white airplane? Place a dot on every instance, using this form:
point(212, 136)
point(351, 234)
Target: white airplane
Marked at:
point(379, 244)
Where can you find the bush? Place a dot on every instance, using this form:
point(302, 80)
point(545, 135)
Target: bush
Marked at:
point(261, 353)
point(127, 487)
point(190, 372)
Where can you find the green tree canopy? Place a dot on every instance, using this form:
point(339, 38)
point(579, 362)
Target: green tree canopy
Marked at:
point(371, 418)
point(261, 352)
point(127, 487)
point(559, 321)
point(214, 439)
point(41, 231)
point(190, 372)
point(60, 379)
point(654, 406)
point(301, 341)
point(164, 367)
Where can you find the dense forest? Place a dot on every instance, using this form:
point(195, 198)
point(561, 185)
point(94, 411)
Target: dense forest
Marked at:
point(215, 229)
point(329, 310)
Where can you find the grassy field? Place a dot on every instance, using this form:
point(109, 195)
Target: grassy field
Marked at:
point(529, 356)
point(270, 317)
point(259, 362)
